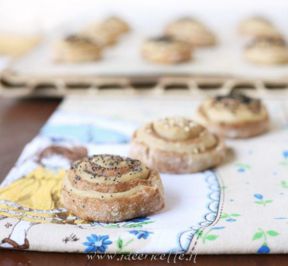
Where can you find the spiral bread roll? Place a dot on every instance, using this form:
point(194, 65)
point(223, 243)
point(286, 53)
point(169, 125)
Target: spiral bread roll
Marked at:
point(191, 31)
point(177, 145)
point(166, 50)
point(77, 48)
point(110, 188)
point(267, 51)
point(234, 116)
point(258, 26)
point(116, 25)
point(100, 34)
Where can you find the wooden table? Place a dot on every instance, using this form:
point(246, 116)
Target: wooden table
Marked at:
point(20, 120)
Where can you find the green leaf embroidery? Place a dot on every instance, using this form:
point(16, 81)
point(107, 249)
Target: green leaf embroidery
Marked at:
point(272, 233)
point(136, 225)
point(284, 184)
point(128, 242)
point(112, 226)
point(224, 215)
point(258, 235)
point(133, 226)
point(119, 243)
point(284, 163)
point(211, 237)
point(264, 202)
point(268, 201)
point(235, 214)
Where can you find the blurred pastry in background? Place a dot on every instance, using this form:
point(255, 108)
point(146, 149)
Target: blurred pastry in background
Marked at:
point(12, 44)
point(234, 115)
point(100, 34)
point(258, 26)
point(177, 145)
point(76, 49)
point(267, 51)
point(111, 188)
point(191, 31)
point(116, 24)
point(166, 50)
point(106, 32)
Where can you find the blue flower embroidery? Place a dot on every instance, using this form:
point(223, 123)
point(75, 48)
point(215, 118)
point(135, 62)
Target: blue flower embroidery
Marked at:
point(264, 235)
point(261, 200)
point(97, 243)
point(231, 220)
point(218, 227)
point(285, 154)
point(140, 233)
point(264, 249)
point(242, 167)
point(139, 220)
point(258, 196)
point(230, 217)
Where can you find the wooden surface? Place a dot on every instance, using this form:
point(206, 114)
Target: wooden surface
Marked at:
point(20, 120)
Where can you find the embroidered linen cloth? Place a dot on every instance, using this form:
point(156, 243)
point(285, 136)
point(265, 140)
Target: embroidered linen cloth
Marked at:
point(240, 207)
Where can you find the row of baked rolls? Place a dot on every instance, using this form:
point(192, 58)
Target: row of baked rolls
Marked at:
point(111, 188)
point(178, 42)
point(267, 45)
point(267, 51)
point(88, 44)
point(234, 115)
point(166, 50)
point(258, 26)
point(177, 145)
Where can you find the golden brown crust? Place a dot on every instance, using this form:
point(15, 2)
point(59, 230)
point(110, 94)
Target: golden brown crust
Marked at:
point(109, 188)
point(180, 146)
point(116, 25)
point(229, 116)
point(191, 31)
point(172, 162)
point(166, 50)
point(77, 48)
point(267, 51)
point(107, 32)
point(258, 26)
point(100, 35)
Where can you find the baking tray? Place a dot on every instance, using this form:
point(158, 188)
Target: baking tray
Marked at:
point(124, 59)
point(122, 66)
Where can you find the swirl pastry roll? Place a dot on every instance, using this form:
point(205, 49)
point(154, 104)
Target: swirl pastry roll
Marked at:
point(76, 48)
point(177, 145)
point(191, 31)
point(258, 26)
point(100, 34)
point(166, 50)
point(110, 188)
point(234, 116)
point(267, 51)
point(116, 25)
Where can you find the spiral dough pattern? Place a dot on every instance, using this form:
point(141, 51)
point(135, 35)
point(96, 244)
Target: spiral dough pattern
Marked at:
point(110, 188)
point(177, 145)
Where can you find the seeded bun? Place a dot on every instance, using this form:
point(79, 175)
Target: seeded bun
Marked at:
point(110, 188)
point(177, 145)
point(234, 116)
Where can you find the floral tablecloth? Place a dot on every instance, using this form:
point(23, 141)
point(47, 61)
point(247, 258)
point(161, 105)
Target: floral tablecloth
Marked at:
point(240, 207)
